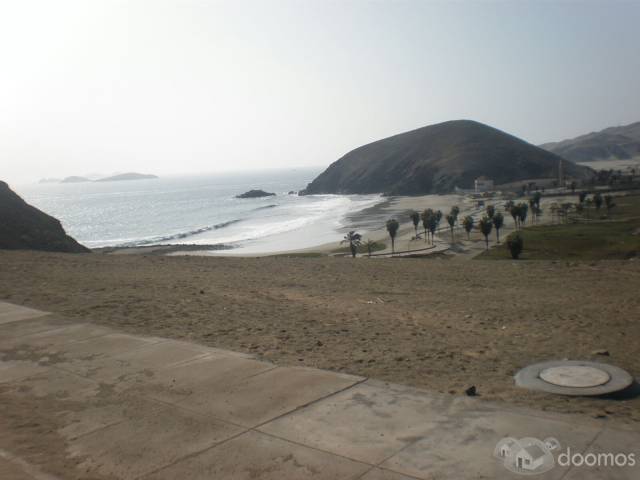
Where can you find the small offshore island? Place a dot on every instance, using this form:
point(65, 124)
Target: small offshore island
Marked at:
point(255, 194)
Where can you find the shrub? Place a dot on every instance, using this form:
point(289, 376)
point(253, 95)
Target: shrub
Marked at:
point(515, 245)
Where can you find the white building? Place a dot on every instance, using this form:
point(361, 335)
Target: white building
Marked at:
point(483, 184)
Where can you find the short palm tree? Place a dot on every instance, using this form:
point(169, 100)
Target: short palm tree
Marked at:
point(353, 239)
point(498, 221)
point(597, 201)
point(451, 220)
point(515, 213)
point(608, 202)
point(455, 211)
point(392, 228)
point(491, 211)
point(523, 209)
point(415, 218)
point(369, 245)
point(467, 223)
point(486, 225)
point(432, 226)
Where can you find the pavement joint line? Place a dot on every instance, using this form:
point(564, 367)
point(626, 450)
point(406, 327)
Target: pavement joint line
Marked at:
point(373, 468)
point(193, 454)
point(312, 402)
point(311, 447)
point(29, 469)
point(193, 412)
point(586, 449)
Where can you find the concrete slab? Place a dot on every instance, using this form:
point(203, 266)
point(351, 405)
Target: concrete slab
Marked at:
point(104, 411)
point(369, 423)
point(12, 370)
point(263, 397)
point(254, 455)
point(15, 313)
point(136, 367)
point(148, 443)
point(610, 452)
point(205, 374)
point(381, 474)
point(55, 383)
point(11, 471)
point(78, 357)
point(14, 330)
point(465, 442)
point(49, 341)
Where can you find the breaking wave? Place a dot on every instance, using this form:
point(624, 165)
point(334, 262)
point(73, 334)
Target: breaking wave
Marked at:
point(179, 236)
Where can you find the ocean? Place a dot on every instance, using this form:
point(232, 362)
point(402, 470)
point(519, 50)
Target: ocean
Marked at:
point(200, 210)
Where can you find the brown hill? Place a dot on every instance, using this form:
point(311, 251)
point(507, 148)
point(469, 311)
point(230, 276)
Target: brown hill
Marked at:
point(437, 158)
point(23, 227)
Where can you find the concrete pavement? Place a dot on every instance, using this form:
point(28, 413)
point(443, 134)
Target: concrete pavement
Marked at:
point(133, 407)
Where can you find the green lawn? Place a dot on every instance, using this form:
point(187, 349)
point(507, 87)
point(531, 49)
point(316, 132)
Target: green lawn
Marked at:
point(614, 238)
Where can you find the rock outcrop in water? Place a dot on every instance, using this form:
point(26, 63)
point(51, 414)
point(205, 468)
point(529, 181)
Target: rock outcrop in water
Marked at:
point(23, 227)
point(438, 158)
point(255, 194)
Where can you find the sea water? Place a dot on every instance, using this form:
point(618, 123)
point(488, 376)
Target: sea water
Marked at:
point(200, 210)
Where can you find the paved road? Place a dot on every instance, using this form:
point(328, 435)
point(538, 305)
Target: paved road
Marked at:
point(134, 407)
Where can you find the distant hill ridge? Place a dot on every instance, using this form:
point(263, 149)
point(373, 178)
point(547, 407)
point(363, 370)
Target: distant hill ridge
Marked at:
point(127, 176)
point(613, 143)
point(438, 158)
point(23, 227)
point(113, 178)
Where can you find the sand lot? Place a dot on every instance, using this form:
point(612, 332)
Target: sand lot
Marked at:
point(432, 323)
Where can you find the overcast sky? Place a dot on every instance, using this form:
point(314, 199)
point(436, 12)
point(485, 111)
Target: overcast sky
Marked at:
point(199, 86)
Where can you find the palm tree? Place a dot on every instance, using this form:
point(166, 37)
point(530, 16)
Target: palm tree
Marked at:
point(523, 208)
point(608, 201)
point(498, 221)
point(369, 245)
point(426, 215)
point(467, 223)
point(415, 218)
point(588, 203)
point(433, 225)
point(438, 217)
point(491, 211)
point(353, 239)
point(392, 228)
point(451, 220)
point(455, 211)
point(582, 196)
point(514, 210)
point(486, 224)
point(597, 200)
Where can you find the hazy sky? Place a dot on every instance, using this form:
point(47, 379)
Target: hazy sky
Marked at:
point(196, 86)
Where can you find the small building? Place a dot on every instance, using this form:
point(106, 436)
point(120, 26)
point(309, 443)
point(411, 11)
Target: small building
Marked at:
point(530, 457)
point(483, 184)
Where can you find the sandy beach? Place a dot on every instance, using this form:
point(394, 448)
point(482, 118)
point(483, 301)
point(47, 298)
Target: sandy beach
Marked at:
point(433, 323)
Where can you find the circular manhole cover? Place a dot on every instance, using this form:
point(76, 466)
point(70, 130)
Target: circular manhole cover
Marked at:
point(575, 376)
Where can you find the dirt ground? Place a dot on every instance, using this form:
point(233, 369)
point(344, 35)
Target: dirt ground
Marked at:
point(432, 323)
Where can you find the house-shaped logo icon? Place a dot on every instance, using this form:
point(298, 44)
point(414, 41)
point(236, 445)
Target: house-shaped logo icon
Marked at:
point(527, 456)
